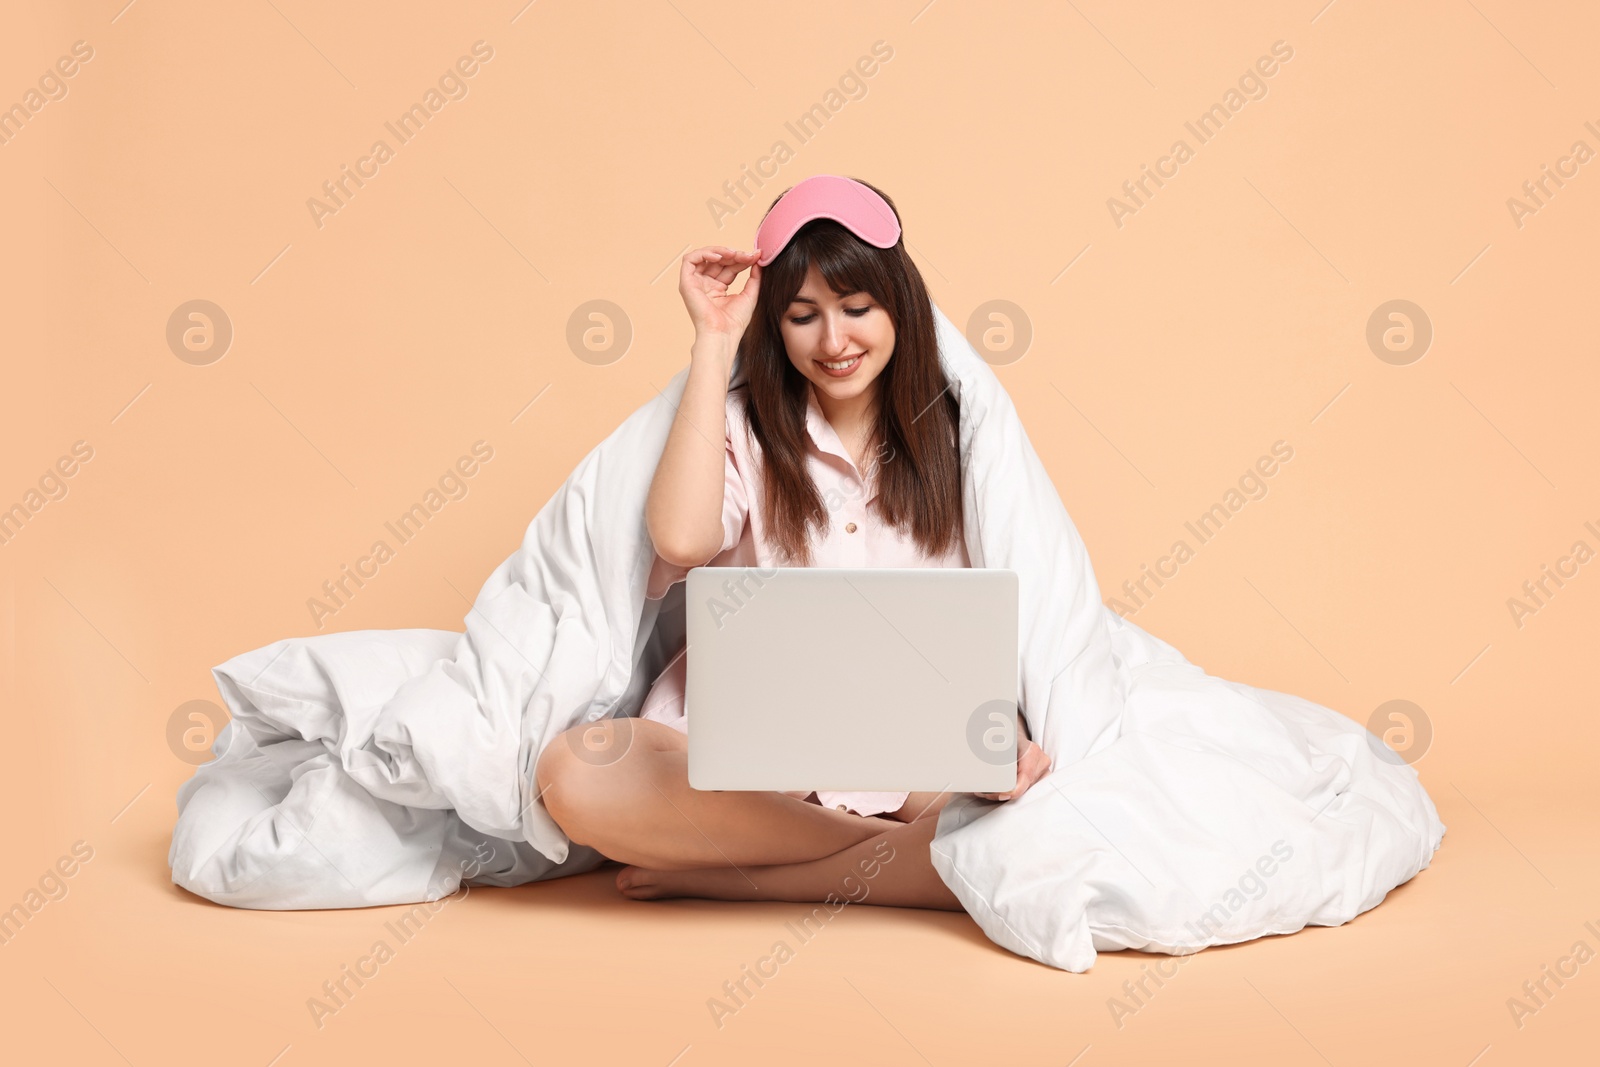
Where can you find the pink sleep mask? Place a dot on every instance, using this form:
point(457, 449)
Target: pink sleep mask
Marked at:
point(827, 196)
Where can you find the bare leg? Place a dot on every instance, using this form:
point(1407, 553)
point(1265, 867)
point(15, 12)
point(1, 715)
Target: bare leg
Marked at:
point(892, 869)
point(919, 805)
point(621, 786)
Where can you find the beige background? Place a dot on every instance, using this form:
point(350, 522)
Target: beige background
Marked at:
point(1167, 354)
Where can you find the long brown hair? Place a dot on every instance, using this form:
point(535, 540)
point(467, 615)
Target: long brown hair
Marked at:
point(919, 477)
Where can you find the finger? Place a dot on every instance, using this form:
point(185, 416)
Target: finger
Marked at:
point(712, 264)
point(746, 297)
point(1007, 794)
point(715, 261)
point(711, 283)
point(693, 264)
point(1036, 769)
point(743, 261)
point(706, 264)
point(689, 285)
point(722, 264)
point(714, 270)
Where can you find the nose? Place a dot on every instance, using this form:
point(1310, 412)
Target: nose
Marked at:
point(834, 340)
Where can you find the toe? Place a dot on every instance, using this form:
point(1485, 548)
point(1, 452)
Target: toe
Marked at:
point(635, 882)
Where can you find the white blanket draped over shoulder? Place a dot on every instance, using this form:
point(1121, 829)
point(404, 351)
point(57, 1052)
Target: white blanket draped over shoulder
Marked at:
point(1184, 810)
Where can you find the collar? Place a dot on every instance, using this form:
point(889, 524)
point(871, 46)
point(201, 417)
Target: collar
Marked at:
point(826, 438)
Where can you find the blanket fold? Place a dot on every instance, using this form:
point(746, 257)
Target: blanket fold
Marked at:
point(1184, 810)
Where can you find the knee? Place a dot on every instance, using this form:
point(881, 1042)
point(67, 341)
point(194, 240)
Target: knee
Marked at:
point(559, 775)
point(579, 775)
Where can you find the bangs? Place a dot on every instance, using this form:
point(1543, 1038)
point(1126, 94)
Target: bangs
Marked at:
point(847, 263)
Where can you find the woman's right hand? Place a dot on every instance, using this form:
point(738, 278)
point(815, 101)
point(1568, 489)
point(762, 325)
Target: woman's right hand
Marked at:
point(703, 281)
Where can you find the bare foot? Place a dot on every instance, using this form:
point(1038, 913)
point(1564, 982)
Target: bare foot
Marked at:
point(709, 883)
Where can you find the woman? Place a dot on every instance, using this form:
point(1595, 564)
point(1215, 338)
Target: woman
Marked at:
point(846, 408)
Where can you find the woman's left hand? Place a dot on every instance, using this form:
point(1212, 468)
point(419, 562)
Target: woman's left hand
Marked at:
point(1032, 765)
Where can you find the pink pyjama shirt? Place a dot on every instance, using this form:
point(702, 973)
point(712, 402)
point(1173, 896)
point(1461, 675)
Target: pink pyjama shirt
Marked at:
point(856, 537)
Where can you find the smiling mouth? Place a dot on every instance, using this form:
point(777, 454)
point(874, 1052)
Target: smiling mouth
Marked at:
point(841, 365)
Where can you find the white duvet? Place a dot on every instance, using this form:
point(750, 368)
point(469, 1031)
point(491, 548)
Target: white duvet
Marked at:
point(1184, 810)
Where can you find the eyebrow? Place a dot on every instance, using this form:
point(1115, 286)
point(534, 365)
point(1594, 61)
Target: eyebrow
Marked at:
point(813, 303)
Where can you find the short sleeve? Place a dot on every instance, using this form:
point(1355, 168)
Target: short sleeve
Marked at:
point(735, 506)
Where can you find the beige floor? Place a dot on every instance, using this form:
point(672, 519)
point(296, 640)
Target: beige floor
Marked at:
point(128, 968)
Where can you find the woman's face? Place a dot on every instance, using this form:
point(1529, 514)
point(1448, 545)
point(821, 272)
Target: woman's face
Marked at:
point(840, 343)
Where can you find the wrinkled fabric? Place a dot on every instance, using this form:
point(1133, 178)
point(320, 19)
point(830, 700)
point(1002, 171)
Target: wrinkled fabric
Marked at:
point(1182, 810)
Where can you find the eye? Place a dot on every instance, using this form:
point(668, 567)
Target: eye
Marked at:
point(853, 312)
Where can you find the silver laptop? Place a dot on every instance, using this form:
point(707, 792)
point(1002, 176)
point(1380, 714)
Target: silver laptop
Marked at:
point(883, 679)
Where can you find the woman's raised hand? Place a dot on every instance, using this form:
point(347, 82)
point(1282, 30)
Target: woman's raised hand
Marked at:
point(703, 281)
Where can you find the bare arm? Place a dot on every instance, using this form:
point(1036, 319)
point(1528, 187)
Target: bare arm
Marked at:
point(684, 511)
